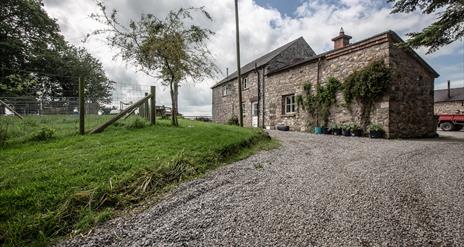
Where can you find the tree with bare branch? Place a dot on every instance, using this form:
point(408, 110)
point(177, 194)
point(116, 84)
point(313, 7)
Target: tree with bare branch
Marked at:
point(172, 49)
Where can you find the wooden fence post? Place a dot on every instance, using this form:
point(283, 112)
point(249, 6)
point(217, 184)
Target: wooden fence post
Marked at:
point(145, 115)
point(81, 107)
point(153, 105)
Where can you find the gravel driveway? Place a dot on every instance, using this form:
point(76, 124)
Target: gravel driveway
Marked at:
point(313, 191)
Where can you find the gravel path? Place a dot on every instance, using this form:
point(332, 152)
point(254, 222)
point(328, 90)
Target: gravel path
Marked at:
point(313, 191)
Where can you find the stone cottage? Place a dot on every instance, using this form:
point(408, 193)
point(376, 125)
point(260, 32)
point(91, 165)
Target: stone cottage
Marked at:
point(271, 83)
point(449, 101)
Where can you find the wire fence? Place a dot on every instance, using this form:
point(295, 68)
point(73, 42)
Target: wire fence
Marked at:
point(29, 105)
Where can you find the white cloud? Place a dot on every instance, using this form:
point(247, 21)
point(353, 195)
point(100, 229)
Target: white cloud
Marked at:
point(262, 29)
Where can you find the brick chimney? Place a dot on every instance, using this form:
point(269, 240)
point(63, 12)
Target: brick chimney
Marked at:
point(341, 40)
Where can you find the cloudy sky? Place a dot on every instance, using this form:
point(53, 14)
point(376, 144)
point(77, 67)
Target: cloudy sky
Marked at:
point(265, 25)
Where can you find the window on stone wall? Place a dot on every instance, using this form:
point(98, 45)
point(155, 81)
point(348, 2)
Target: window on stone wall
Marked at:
point(225, 90)
point(289, 104)
point(244, 83)
point(244, 111)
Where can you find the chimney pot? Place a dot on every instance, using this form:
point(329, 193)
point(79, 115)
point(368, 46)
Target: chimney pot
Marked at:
point(342, 40)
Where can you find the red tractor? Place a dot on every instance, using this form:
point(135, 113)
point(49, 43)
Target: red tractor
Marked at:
point(451, 122)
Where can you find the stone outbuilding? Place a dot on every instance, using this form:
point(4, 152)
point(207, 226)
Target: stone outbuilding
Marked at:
point(449, 101)
point(271, 83)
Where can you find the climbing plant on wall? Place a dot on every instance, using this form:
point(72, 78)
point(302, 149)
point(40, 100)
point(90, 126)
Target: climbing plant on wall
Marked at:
point(326, 96)
point(367, 86)
point(318, 104)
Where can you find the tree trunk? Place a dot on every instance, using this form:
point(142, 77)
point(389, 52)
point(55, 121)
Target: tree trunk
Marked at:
point(176, 97)
point(173, 92)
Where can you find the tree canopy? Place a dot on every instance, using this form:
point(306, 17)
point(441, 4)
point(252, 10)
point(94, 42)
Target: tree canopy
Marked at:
point(37, 60)
point(448, 28)
point(172, 49)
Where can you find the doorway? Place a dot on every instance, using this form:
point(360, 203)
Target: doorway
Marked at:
point(254, 114)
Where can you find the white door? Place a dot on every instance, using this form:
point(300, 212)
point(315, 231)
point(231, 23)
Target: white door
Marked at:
point(254, 114)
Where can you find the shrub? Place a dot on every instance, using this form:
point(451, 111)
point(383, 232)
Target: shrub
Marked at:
point(375, 127)
point(45, 133)
point(353, 127)
point(233, 120)
point(136, 123)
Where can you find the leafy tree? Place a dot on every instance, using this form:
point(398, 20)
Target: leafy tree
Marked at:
point(27, 34)
point(36, 59)
point(448, 28)
point(77, 62)
point(168, 48)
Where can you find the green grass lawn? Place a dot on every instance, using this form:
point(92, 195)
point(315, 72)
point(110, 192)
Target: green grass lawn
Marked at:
point(71, 182)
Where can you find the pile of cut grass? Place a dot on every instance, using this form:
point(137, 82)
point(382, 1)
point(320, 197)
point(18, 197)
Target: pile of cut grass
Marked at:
point(71, 182)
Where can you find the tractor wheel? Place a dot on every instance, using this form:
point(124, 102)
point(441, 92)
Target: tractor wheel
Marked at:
point(447, 126)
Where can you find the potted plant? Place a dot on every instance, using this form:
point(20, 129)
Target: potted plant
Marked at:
point(335, 129)
point(326, 131)
point(375, 131)
point(346, 129)
point(356, 130)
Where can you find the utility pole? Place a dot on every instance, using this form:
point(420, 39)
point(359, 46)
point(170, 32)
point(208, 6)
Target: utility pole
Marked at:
point(239, 76)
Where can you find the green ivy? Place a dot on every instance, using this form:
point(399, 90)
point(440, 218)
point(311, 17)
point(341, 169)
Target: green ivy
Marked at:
point(367, 86)
point(319, 104)
point(327, 96)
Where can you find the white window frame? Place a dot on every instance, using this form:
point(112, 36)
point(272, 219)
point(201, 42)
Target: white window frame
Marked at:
point(225, 90)
point(289, 103)
point(243, 108)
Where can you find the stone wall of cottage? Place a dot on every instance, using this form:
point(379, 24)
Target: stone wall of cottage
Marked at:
point(292, 82)
point(342, 66)
point(224, 107)
point(411, 98)
point(449, 107)
point(279, 85)
point(406, 110)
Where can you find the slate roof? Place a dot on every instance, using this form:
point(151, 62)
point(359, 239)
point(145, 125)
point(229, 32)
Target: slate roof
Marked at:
point(261, 61)
point(390, 32)
point(457, 94)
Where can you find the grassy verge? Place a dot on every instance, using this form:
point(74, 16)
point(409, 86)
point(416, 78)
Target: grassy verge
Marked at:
point(71, 182)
